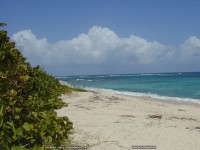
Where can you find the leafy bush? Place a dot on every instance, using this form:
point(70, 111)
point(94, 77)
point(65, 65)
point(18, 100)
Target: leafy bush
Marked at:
point(28, 98)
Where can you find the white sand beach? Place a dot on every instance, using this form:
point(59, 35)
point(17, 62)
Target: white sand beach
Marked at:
point(109, 121)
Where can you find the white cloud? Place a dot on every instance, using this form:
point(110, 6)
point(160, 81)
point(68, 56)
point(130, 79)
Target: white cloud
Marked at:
point(144, 51)
point(36, 50)
point(101, 46)
point(190, 50)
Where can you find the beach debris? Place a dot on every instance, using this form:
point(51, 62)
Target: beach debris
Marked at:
point(80, 106)
point(156, 116)
point(183, 118)
point(197, 127)
point(128, 116)
point(181, 110)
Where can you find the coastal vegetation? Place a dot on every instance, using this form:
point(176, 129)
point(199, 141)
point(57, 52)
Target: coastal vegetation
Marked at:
point(28, 100)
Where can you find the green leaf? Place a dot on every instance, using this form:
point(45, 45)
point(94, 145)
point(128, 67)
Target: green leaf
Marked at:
point(1, 116)
point(23, 66)
point(18, 131)
point(36, 147)
point(1, 121)
point(18, 148)
point(42, 133)
point(43, 114)
point(17, 117)
point(49, 139)
point(12, 102)
point(35, 114)
point(2, 55)
point(8, 125)
point(14, 137)
point(18, 110)
point(12, 92)
point(27, 126)
point(26, 77)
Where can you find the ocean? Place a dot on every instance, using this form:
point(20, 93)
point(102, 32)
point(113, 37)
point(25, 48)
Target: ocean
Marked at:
point(170, 86)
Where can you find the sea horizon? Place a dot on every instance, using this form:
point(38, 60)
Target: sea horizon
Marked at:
point(58, 76)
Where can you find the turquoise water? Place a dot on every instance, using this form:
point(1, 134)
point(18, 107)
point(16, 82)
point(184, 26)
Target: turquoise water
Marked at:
point(177, 85)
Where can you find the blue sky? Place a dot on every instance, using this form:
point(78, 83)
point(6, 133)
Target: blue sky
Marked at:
point(106, 36)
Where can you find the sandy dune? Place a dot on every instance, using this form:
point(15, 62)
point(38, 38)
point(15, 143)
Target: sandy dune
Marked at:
point(108, 121)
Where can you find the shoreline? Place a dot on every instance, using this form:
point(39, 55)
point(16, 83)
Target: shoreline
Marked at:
point(155, 97)
point(105, 120)
point(140, 94)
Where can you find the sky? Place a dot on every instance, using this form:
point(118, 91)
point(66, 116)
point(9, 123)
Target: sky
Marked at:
point(82, 37)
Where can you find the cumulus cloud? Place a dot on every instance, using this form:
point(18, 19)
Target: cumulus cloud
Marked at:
point(36, 50)
point(101, 46)
point(190, 50)
point(98, 46)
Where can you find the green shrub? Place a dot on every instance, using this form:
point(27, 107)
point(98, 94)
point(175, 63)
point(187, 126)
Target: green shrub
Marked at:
point(28, 100)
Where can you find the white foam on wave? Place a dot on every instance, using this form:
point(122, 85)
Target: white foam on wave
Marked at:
point(65, 83)
point(80, 79)
point(156, 74)
point(61, 77)
point(100, 76)
point(113, 75)
point(124, 75)
point(155, 96)
point(143, 74)
point(84, 80)
point(147, 74)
